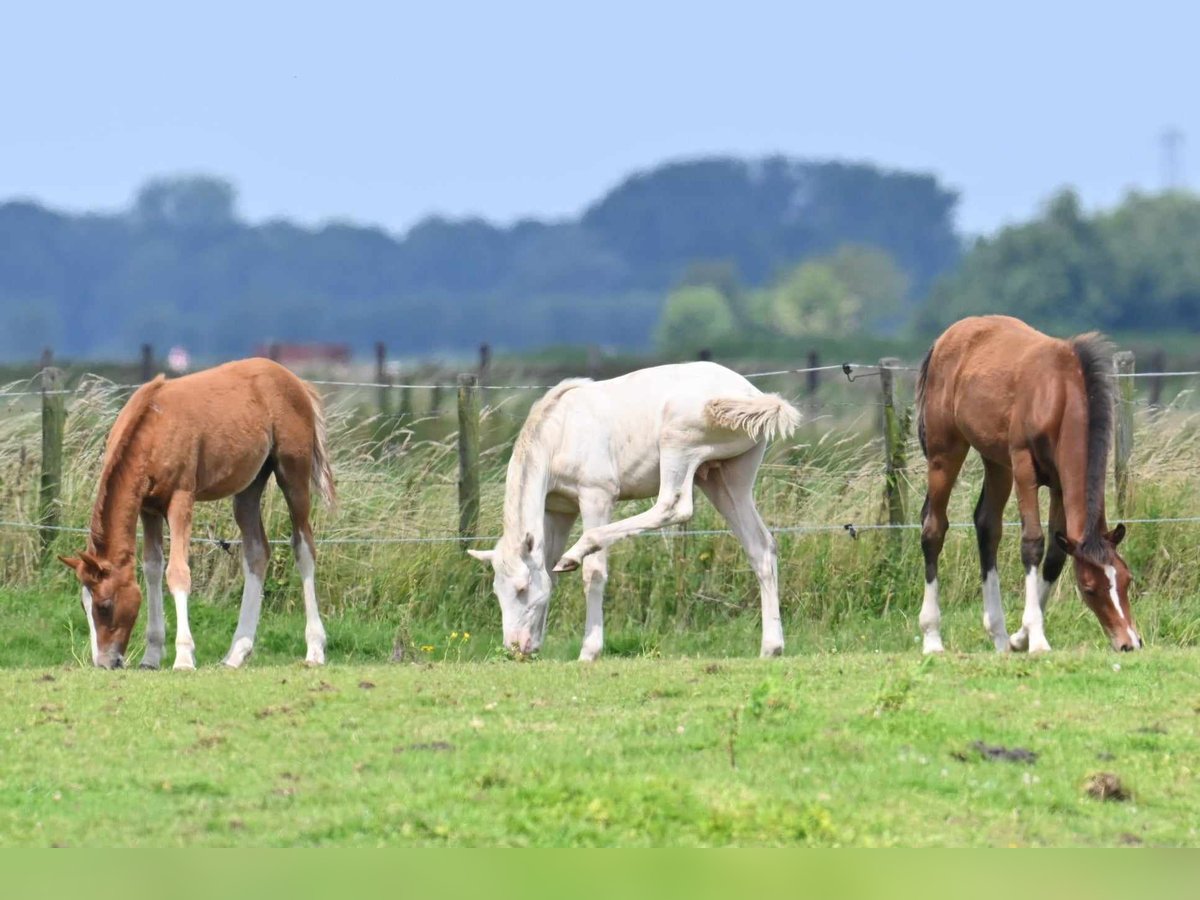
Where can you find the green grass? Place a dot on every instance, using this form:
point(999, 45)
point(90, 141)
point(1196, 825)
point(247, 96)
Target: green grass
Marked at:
point(824, 749)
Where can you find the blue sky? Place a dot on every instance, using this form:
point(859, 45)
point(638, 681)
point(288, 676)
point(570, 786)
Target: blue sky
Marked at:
point(383, 113)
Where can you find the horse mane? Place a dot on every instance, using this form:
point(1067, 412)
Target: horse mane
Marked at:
point(526, 439)
point(128, 420)
point(1094, 353)
point(920, 402)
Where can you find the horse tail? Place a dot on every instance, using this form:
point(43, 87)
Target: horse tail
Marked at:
point(763, 417)
point(322, 471)
point(1094, 353)
point(921, 378)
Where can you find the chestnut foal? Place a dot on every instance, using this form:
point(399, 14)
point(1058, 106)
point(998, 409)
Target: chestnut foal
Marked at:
point(217, 433)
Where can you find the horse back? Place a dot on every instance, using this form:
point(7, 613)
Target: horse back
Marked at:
point(213, 431)
point(995, 382)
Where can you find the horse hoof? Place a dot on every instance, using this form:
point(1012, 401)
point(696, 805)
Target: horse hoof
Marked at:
point(566, 564)
point(184, 666)
point(771, 652)
point(1018, 643)
point(149, 666)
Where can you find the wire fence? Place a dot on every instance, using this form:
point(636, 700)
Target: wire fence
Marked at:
point(852, 371)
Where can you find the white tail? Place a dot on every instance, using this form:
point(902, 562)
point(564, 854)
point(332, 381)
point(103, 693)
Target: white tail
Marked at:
point(764, 417)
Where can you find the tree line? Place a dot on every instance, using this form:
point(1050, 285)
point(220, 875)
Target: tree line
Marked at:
point(181, 266)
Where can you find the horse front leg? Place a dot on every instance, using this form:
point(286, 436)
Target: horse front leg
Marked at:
point(152, 568)
point(674, 505)
point(179, 575)
point(1032, 634)
point(596, 510)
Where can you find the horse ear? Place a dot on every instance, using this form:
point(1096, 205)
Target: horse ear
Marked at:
point(1067, 545)
point(95, 566)
point(72, 562)
point(1116, 535)
point(482, 555)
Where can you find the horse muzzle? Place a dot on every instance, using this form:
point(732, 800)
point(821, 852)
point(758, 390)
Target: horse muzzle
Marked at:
point(110, 659)
point(1126, 642)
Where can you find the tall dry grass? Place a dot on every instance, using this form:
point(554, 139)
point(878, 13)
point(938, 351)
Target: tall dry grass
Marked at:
point(397, 479)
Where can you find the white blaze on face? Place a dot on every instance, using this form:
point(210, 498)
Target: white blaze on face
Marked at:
point(87, 609)
point(1113, 595)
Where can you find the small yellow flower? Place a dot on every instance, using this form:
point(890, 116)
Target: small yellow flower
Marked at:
point(454, 635)
point(466, 635)
point(427, 648)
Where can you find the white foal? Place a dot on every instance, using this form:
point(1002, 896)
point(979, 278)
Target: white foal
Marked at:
point(587, 445)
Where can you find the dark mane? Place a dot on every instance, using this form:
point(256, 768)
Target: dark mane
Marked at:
point(921, 401)
point(122, 433)
point(1095, 353)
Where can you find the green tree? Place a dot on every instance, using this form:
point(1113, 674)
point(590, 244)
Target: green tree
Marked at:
point(693, 317)
point(1053, 272)
point(881, 287)
point(812, 299)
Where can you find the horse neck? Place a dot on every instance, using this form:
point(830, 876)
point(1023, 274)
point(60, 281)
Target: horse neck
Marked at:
point(526, 486)
point(114, 517)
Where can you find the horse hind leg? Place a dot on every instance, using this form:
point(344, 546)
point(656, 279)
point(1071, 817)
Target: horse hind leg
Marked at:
point(293, 473)
point(944, 466)
point(989, 523)
point(730, 488)
point(256, 553)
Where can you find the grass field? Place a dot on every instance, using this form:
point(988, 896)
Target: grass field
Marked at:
point(826, 749)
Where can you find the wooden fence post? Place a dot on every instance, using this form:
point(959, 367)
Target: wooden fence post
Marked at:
point(468, 455)
point(54, 415)
point(147, 362)
point(813, 377)
point(1123, 433)
point(1158, 363)
point(485, 361)
point(435, 398)
point(895, 428)
point(381, 376)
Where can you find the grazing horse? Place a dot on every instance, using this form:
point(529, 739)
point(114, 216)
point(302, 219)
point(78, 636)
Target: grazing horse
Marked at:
point(586, 445)
point(213, 434)
point(1039, 410)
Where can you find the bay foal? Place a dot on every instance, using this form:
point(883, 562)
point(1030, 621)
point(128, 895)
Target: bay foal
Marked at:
point(1039, 410)
point(217, 433)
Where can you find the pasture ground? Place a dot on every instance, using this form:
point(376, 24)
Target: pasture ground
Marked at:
point(822, 749)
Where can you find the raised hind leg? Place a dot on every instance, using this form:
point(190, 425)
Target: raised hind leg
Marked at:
point(256, 553)
point(179, 574)
point(293, 473)
point(730, 487)
point(989, 523)
point(944, 465)
point(152, 568)
point(1032, 634)
point(677, 468)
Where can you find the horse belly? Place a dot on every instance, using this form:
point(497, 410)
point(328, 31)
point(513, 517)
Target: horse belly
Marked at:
point(225, 471)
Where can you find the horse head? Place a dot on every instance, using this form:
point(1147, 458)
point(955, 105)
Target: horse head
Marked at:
point(111, 600)
point(522, 585)
point(1103, 578)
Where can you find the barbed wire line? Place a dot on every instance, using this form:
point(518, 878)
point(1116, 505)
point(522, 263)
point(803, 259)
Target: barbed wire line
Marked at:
point(846, 367)
point(853, 529)
point(1155, 374)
